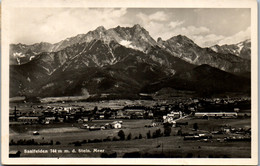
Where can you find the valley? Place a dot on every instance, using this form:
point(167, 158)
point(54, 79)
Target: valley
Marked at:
point(120, 93)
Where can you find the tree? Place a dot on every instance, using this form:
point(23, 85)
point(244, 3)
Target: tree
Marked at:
point(157, 133)
point(140, 136)
point(167, 131)
point(129, 137)
point(57, 142)
point(95, 109)
point(121, 135)
point(195, 126)
point(148, 134)
point(179, 132)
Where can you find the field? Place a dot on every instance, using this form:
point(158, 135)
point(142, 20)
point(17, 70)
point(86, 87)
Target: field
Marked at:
point(171, 146)
point(113, 104)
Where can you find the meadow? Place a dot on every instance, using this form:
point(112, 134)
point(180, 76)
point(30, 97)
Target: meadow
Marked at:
point(172, 146)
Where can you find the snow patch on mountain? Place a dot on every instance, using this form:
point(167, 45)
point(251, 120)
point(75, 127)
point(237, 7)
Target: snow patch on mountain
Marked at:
point(32, 57)
point(114, 59)
point(125, 43)
point(18, 54)
point(96, 61)
point(128, 44)
point(240, 47)
point(187, 59)
point(214, 48)
point(18, 61)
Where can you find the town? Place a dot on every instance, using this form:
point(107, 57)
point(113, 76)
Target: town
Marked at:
point(203, 108)
point(197, 119)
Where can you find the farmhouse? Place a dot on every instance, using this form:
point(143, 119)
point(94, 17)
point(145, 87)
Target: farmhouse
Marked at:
point(60, 119)
point(192, 109)
point(121, 115)
point(174, 115)
point(116, 125)
point(49, 119)
point(135, 112)
point(130, 110)
point(27, 119)
point(195, 100)
point(80, 120)
point(85, 119)
point(150, 114)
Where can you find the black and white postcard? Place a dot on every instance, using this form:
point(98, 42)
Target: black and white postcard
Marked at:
point(129, 82)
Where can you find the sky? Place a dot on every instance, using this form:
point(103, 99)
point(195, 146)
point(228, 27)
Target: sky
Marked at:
point(205, 26)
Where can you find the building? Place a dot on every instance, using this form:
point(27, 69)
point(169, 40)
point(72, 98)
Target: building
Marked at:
point(116, 125)
point(121, 115)
point(216, 114)
point(49, 119)
point(174, 115)
point(135, 113)
point(27, 119)
point(169, 120)
point(80, 120)
point(85, 119)
point(150, 114)
point(130, 111)
point(60, 119)
point(192, 109)
point(101, 116)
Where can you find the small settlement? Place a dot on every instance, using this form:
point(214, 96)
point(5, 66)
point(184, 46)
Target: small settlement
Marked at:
point(164, 113)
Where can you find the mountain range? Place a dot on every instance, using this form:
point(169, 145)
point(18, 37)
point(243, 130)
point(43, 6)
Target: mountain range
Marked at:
point(126, 61)
point(241, 49)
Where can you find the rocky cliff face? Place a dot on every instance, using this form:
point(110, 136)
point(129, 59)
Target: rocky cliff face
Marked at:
point(186, 49)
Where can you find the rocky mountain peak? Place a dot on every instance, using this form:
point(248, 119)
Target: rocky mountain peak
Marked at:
point(159, 40)
point(241, 49)
point(247, 41)
point(137, 26)
point(101, 29)
point(182, 38)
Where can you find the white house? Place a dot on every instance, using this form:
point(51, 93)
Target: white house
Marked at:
point(116, 125)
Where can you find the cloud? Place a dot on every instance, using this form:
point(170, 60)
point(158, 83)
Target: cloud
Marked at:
point(213, 39)
point(206, 40)
point(143, 17)
point(153, 23)
point(236, 38)
point(53, 25)
point(192, 30)
point(32, 25)
point(174, 24)
point(156, 29)
point(158, 16)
